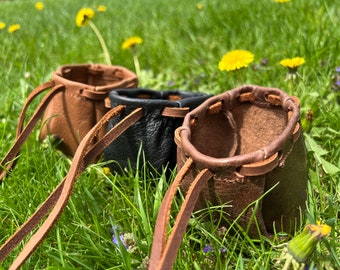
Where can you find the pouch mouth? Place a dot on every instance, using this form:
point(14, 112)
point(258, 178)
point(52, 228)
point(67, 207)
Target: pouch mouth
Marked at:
point(223, 146)
point(95, 77)
point(142, 97)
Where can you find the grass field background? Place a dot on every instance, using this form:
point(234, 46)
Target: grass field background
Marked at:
point(181, 48)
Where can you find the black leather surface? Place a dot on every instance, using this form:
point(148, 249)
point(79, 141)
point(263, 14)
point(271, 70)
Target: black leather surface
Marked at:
point(154, 132)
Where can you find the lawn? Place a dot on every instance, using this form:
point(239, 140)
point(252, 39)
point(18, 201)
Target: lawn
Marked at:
point(183, 42)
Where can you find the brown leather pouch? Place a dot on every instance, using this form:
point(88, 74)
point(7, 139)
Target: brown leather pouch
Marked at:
point(238, 148)
point(77, 108)
point(74, 103)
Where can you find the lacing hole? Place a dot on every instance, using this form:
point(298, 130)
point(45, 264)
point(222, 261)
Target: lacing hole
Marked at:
point(273, 99)
point(246, 97)
point(144, 96)
point(215, 108)
point(193, 120)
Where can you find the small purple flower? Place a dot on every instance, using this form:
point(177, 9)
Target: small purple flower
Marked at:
point(115, 239)
point(337, 83)
point(116, 242)
point(223, 250)
point(337, 69)
point(307, 267)
point(208, 248)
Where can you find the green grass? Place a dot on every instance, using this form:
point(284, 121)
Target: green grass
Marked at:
point(181, 49)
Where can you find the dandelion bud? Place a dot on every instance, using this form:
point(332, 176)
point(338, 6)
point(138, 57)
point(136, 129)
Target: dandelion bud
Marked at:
point(302, 246)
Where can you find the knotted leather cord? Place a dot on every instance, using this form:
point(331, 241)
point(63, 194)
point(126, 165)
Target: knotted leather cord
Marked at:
point(164, 251)
point(56, 195)
point(34, 220)
point(85, 153)
point(22, 134)
point(182, 220)
point(163, 217)
point(32, 95)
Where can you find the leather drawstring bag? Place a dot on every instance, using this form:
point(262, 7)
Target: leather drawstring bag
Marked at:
point(163, 113)
point(73, 105)
point(160, 111)
point(242, 146)
point(80, 104)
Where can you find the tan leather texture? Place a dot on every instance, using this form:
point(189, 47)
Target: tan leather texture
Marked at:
point(73, 112)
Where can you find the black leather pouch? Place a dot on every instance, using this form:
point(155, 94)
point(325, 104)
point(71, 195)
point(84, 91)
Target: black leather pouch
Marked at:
point(163, 112)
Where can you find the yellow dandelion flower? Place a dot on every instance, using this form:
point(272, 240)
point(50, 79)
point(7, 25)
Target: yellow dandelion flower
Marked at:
point(106, 170)
point(39, 5)
point(101, 8)
point(131, 42)
point(235, 59)
point(199, 6)
point(84, 15)
point(282, 1)
point(14, 27)
point(2, 25)
point(318, 231)
point(292, 63)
